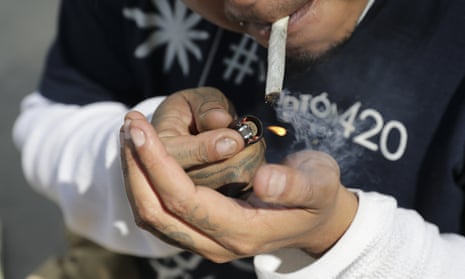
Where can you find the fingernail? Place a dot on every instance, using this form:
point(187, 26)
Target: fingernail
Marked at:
point(127, 135)
point(137, 137)
point(226, 146)
point(276, 184)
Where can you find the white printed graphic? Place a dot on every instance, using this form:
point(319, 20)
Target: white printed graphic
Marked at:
point(173, 27)
point(180, 266)
point(239, 65)
point(319, 125)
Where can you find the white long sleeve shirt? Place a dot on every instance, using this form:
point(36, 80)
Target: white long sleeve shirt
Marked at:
point(71, 155)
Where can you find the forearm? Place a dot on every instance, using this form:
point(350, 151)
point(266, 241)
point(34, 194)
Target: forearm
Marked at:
point(383, 242)
point(71, 154)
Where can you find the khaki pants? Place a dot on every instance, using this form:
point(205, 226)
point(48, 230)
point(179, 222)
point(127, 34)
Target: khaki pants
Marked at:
point(87, 260)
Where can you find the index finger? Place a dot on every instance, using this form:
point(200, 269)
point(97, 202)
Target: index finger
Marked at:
point(192, 111)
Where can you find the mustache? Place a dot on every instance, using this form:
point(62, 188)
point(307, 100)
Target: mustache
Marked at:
point(263, 13)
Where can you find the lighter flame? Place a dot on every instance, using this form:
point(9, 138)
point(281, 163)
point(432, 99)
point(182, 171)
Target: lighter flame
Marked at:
point(278, 130)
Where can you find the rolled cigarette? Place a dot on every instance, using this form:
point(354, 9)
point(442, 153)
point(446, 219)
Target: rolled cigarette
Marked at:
point(276, 60)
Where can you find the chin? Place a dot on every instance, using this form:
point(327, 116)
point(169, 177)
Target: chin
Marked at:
point(306, 55)
point(312, 53)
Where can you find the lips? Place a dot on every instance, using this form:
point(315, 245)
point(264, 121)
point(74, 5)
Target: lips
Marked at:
point(261, 30)
point(300, 13)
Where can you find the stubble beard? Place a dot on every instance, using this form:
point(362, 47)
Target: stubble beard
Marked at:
point(306, 58)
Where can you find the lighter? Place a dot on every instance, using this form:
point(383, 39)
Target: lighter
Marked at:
point(250, 128)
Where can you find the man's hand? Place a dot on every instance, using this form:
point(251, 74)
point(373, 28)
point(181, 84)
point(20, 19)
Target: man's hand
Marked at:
point(298, 204)
point(192, 124)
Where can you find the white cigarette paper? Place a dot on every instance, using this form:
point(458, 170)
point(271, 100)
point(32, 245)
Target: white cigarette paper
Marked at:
point(276, 60)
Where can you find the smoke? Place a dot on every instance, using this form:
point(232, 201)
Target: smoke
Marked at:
point(316, 126)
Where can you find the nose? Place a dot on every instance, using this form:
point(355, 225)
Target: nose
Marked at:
point(259, 11)
point(241, 4)
point(240, 8)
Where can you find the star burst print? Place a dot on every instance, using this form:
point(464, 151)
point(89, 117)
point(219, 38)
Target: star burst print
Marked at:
point(173, 27)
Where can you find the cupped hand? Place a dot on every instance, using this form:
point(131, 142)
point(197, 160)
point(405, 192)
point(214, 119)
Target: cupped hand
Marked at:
point(300, 203)
point(191, 124)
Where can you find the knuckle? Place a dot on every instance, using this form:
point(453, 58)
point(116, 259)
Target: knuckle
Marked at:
point(219, 259)
point(146, 217)
point(177, 207)
point(200, 154)
point(243, 248)
point(140, 222)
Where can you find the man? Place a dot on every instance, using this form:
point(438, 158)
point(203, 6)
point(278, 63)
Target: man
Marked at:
point(378, 141)
point(356, 102)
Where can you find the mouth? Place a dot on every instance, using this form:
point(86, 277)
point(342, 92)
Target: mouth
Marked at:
point(301, 12)
point(261, 30)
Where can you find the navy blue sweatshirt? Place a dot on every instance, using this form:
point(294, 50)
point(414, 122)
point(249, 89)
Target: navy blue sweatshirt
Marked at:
point(388, 104)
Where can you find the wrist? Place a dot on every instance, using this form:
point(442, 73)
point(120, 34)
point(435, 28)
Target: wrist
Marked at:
point(339, 219)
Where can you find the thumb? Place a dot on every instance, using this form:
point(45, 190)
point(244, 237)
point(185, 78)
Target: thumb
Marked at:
point(306, 179)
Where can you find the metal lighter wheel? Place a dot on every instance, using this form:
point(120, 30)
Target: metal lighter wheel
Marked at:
point(250, 128)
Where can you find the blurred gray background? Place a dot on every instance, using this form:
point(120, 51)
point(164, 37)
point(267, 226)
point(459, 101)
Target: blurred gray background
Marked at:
point(31, 225)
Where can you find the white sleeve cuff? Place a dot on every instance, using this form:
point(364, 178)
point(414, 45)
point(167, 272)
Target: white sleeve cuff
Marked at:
point(383, 241)
point(282, 264)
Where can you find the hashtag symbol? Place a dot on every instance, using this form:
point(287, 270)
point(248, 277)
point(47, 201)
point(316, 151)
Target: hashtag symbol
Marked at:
point(241, 61)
